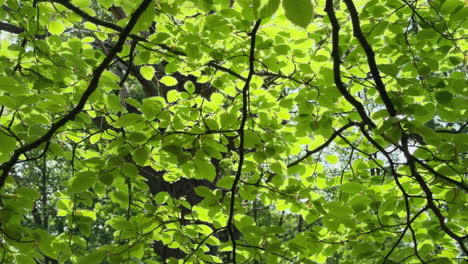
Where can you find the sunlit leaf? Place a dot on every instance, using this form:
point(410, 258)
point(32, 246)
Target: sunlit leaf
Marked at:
point(299, 12)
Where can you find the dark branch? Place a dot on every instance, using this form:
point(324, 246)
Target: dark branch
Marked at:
point(245, 101)
point(337, 62)
point(429, 198)
point(370, 58)
point(408, 225)
point(16, 30)
point(224, 69)
point(324, 145)
point(11, 28)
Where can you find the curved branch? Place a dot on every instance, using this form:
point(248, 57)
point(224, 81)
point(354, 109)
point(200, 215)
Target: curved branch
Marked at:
point(324, 145)
point(429, 198)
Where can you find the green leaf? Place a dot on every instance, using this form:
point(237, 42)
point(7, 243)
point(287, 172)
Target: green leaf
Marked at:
point(130, 170)
point(189, 87)
point(56, 27)
point(169, 80)
point(82, 181)
point(106, 3)
point(11, 85)
point(389, 69)
point(203, 191)
point(147, 72)
point(299, 12)
point(226, 182)
point(265, 8)
point(351, 187)
point(159, 37)
point(162, 197)
point(444, 97)
point(205, 5)
point(24, 259)
point(193, 51)
point(7, 101)
point(204, 169)
point(128, 120)
point(152, 106)
point(171, 67)
point(332, 159)
point(251, 139)
point(172, 96)
point(140, 155)
point(426, 34)
point(92, 258)
point(8, 144)
point(106, 178)
point(114, 103)
point(146, 19)
point(359, 203)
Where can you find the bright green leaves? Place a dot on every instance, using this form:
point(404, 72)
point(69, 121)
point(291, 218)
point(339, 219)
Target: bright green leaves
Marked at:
point(293, 105)
point(24, 259)
point(146, 19)
point(299, 12)
point(426, 34)
point(332, 159)
point(189, 87)
point(56, 27)
point(359, 202)
point(251, 139)
point(204, 191)
point(172, 96)
point(337, 214)
point(147, 72)
point(152, 106)
point(82, 181)
point(204, 5)
point(168, 80)
point(92, 258)
point(140, 155)
point(351, 187)
point(225, 182)
point(389, 69)
point(8, 145)
point(159, 37)
point(204, 169)
point(265, 8)
point(193, 51)
point(113, 101)
point(11, 85)
point(128, 120)
point(129, 170)
point(106, 3)
point(250, 231)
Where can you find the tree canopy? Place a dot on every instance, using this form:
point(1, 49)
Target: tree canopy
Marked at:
point(233, 131)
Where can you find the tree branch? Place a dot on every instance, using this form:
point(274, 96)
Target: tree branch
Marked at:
point(337, 62)
point(324, 145)
point(17, 30)
point(370, 57)
point(245, 101)
point(429, 198)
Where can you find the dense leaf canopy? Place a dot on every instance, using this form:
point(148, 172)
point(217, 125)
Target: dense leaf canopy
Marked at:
point(233, 131)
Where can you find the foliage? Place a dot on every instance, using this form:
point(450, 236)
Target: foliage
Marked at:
point(233, 131)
